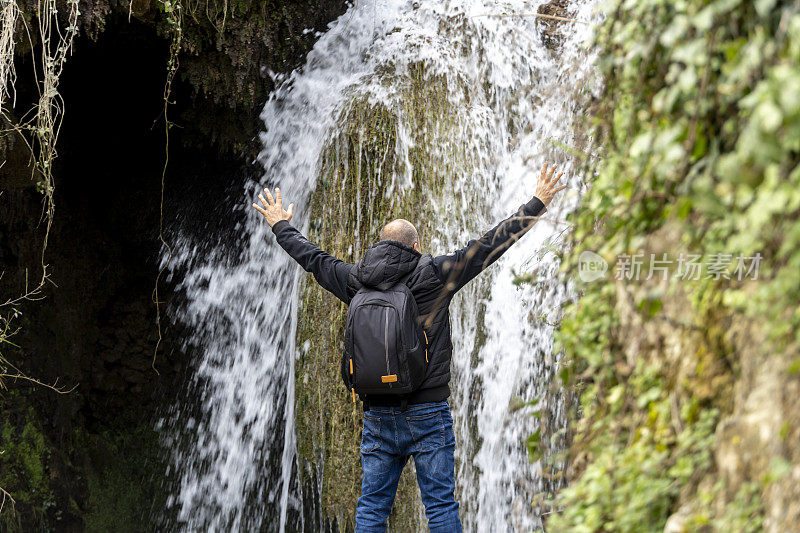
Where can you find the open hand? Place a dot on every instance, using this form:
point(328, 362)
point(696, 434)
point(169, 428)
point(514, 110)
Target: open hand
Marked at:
point(547, 187)
point(273, 208)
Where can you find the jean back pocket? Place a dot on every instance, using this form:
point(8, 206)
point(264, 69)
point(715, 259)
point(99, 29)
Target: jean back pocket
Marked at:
point(427, 430)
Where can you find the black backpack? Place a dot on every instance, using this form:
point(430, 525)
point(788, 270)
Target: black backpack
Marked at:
point(385, 347)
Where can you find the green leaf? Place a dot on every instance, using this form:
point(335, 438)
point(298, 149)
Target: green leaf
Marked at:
point(651, 306)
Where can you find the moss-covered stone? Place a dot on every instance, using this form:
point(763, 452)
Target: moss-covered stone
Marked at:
point(354, 185)
point(364, 182)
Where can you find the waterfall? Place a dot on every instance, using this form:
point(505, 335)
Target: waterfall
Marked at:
point(510, 95)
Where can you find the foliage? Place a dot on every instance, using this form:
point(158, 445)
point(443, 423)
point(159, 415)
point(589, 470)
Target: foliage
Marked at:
point(174, 16)
point(23, 467)
point(698, 141)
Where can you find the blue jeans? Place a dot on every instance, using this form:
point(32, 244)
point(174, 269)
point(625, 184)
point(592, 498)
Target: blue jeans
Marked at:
point(389, 437)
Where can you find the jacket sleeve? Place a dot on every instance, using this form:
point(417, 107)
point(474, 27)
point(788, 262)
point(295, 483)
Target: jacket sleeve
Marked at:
point(331, 273)
point(458, 268)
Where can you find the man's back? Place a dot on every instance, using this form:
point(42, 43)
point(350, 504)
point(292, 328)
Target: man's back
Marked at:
point(420, 424)
point(433, 282)
point(388, 262)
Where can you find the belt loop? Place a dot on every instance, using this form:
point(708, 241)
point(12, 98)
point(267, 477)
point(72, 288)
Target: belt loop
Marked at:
point(366, 405)
point(403, 405)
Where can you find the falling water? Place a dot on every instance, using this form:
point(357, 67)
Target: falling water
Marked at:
point(234, 446)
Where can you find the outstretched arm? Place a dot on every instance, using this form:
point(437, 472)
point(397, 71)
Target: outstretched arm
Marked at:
point(458, 268)
point(331, 273)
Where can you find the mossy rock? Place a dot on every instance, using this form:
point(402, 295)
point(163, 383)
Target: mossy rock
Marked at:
point(364, 182)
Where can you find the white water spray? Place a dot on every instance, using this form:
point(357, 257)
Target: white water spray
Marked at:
point(234, 454)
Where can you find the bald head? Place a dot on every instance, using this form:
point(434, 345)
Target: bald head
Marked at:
point(402, 231)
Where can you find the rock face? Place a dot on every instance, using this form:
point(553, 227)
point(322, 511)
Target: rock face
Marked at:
point(328, 422)
point(688, 417)
point(758, 440)
point(229, 53)
point(91, 459)
point(553, 29)
point(359, 167)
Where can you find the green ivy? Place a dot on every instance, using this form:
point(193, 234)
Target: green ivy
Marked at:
point(697, 133)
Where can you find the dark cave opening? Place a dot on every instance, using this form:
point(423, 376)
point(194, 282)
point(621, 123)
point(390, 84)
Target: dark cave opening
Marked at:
point(99, 321)
point(95, 328)
point(93, 459)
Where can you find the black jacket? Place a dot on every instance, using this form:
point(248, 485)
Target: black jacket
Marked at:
point(433, 282)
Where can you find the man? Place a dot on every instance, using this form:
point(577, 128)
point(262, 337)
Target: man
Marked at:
point(420, 423)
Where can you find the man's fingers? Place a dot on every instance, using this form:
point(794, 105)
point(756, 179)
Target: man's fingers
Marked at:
point(558, 178)
point(263, 201)
point(544, 171)
point(269, 197)
point(552, 170)
point(278, 199)
point(290, 212)
point(260, 210)
point(560, 189)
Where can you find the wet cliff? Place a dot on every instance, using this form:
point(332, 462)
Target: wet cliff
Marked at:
point(688, 375)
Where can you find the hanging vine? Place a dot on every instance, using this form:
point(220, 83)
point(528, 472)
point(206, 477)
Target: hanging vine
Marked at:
point(174, 13)
point(40, 125)
point(9, 13)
